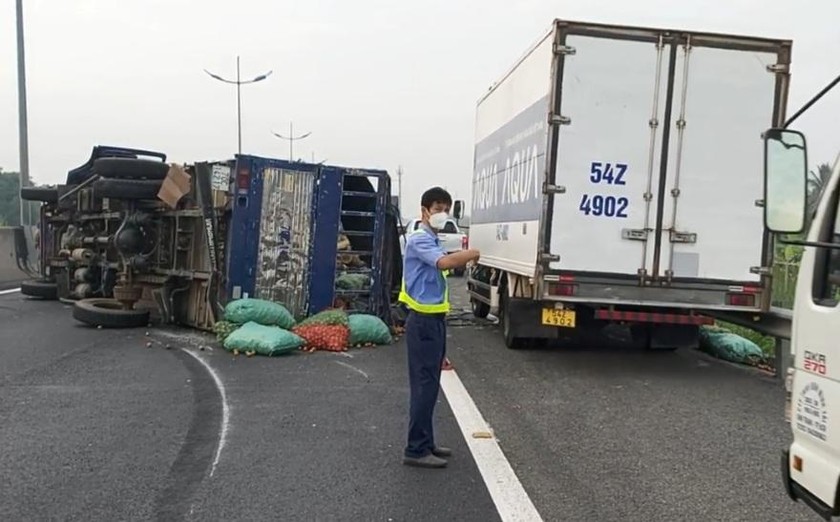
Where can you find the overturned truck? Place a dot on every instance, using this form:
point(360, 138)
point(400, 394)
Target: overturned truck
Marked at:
point(130, 239)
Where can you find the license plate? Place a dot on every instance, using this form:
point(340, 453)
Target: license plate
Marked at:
point(561, 318)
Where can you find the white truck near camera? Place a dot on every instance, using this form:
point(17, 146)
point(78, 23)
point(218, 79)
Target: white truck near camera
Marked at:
point(811, 465)
point(618, 178)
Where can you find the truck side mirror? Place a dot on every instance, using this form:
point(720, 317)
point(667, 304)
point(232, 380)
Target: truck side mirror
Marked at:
point(785, 181)
point(458, 209)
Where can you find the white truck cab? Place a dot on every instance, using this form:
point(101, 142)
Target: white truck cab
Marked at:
point(811, 465)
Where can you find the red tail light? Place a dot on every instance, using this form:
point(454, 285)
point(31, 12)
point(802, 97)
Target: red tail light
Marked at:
point(243, 179)
point(740, 299)
point(465, 243)
point(563, 290)
point(564, 287)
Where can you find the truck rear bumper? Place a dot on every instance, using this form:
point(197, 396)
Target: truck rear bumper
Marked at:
point(797, 492)
point(720, 296)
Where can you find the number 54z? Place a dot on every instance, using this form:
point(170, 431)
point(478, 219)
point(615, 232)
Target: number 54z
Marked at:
point(607, 173)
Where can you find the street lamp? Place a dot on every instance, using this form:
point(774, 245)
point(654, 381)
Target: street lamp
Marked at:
point(239, 83)
point(291, 138)
point(23, 127)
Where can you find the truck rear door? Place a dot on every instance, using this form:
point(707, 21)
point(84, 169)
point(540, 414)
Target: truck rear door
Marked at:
point(659, 154)
point(712, 228)
point(611, 93)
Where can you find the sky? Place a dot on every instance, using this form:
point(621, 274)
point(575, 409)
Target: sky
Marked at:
point(378, 83)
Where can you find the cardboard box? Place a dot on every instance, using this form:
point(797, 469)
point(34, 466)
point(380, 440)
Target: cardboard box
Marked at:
point(175, 186)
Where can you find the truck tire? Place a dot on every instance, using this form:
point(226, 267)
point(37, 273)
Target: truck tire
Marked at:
point(108, 313)
point(512, 342)
point(40, 288)
point(42, 194)
point(126, 189)
point(130, 168)
point(480, 309)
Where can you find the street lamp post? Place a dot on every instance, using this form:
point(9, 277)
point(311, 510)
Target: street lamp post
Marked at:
point(239, 83)
point(23, 126)
point(291, 138)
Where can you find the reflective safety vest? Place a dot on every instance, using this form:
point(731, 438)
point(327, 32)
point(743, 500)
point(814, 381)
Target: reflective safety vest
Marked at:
point(425, 308)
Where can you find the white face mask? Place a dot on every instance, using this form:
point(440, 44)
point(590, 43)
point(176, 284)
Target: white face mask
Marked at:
point(438, 221)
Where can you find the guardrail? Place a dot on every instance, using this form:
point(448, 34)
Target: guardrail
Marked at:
point(14, 256)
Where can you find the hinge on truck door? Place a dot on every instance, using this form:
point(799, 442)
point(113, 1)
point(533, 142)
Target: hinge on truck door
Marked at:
point(556, 119)
point(761, 270)
point(564, 49)
point(548, 188)
point(549, 258)
point(777, 68)
point(683, 237)
point(759, 203)
point(634, 234)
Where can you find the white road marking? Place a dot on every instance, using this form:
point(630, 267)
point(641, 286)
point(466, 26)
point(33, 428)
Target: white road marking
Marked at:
point(350, 366)
point(11, 291)
point(223, 432)
point(510, 498)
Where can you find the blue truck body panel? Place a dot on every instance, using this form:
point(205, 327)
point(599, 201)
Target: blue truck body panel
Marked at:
point(286, 223)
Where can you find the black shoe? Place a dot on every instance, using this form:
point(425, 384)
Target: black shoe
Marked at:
point(442, 452)
point(429, 461)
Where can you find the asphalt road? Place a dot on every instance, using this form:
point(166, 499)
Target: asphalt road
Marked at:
point(96, 426)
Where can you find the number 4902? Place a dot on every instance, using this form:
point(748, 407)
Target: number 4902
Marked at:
point(607, 173)
point(607, 206)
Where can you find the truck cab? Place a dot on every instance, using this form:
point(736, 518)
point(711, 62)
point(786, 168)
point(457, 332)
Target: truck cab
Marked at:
point(811, 464)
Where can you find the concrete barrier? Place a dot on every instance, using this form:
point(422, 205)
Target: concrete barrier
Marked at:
point(10, 274)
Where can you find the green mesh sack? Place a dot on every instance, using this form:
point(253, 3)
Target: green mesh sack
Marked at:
point(327, 317)
point(352, 281)
point(729, 347)
point(368, 329)
point(259, 311)
point(265, 340)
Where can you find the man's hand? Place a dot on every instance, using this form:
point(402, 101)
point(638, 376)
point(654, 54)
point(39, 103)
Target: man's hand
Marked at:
point(458, 259)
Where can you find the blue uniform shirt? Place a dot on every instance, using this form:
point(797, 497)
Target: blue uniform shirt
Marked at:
point(424, 282)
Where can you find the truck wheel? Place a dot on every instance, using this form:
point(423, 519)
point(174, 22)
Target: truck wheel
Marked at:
point(40, 288)
point(108, 313)
point(126, 189)
point(130, 168)
point(512, 342)
point(42, 194)
point(480, 309)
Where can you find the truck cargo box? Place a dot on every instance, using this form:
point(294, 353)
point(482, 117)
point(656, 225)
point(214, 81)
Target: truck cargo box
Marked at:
point(623, 165)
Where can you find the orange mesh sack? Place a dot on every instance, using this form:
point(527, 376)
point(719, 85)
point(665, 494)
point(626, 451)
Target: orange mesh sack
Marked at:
point(332, 338)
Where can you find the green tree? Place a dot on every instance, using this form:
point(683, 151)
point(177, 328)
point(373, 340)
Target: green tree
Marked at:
point(9, 198)
point(817, 180)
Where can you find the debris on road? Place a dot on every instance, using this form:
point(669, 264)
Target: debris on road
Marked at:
point(723, 344)
point(331, 330)
point(265, 340)
point(260, 311)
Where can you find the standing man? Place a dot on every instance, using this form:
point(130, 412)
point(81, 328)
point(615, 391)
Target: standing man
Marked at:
point(426, 294)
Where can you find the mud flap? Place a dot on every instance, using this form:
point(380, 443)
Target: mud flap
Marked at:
point(526, 321)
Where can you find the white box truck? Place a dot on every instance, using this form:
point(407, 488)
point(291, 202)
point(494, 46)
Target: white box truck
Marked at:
point(618, 177)
point(811, 464)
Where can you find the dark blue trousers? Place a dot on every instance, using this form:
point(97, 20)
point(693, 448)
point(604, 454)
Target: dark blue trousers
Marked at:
point(426, 339)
